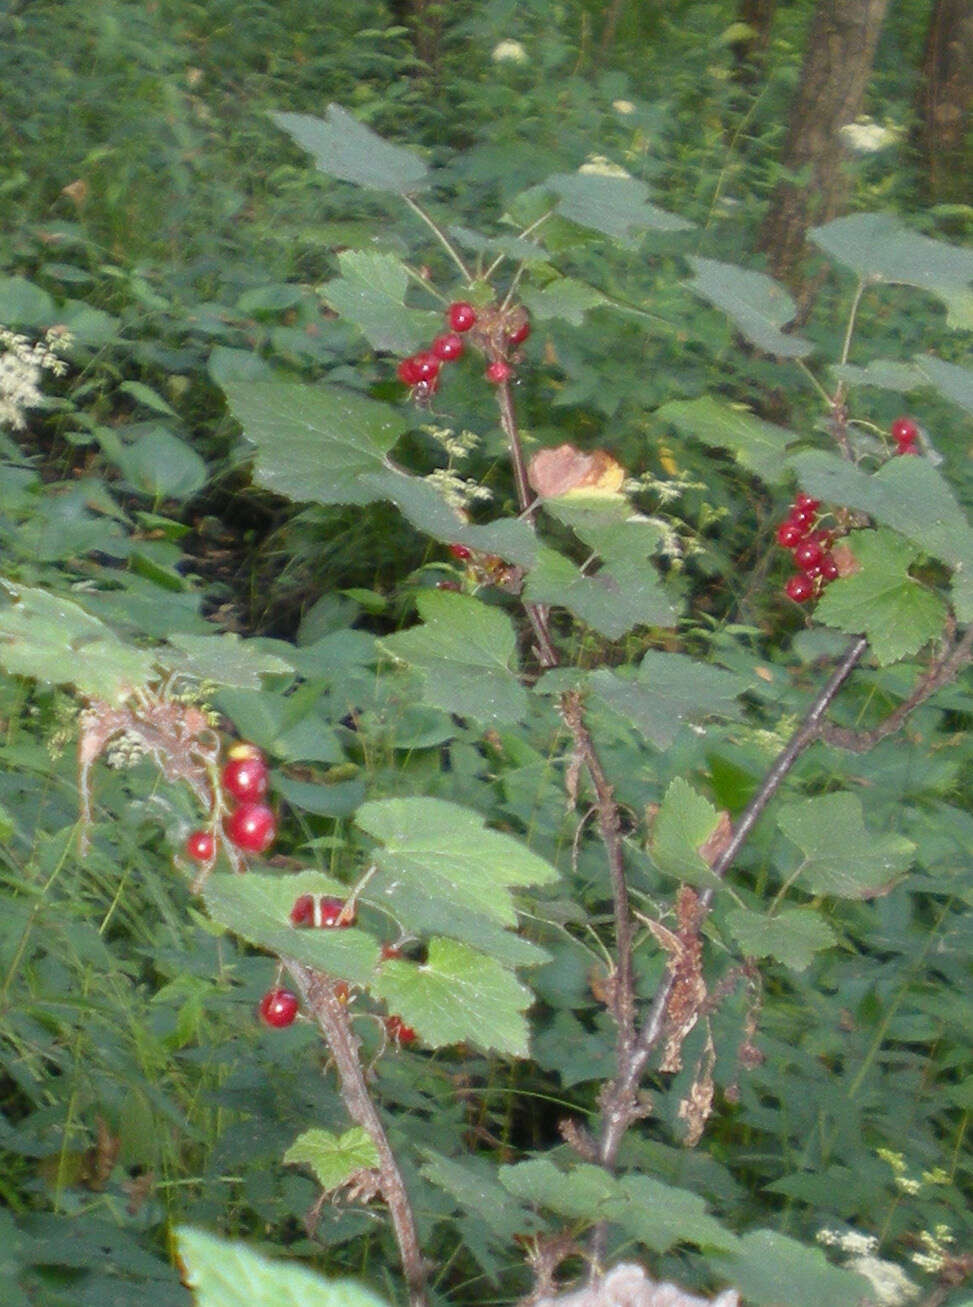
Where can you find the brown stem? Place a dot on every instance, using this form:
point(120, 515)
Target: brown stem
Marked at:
point(620, 1101)
point(318, 997)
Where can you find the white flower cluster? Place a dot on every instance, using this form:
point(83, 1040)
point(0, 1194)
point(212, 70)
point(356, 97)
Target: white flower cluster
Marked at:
point(509, 52)
point(21, 364)
point(602, 167)
point(866, 137)
point(890, 1286)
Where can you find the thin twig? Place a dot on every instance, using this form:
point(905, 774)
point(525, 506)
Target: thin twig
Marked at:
point(440, 235)
point(320, 1001)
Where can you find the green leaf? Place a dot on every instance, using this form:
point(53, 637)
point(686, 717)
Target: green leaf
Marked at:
point(683, 824)
point(333, 1158)
point(771, 1270)
point(161, 465)
point(950, 379)
point(584, 1192)
point(473, 1184)
point(616, 206)
point(439, 852)
point(565, 298)
point(879, 248)
point(22, 304)
point(257, 908)
point(669, 690)
point(314, 442)
point(885, 374)
point(458, 994)
point(757, 304)
point(792, 936)
point(371, 293)
point(908, 494)
point(343, 147)
point(223, 659)
point(51, 639)
point(760, 446)
point(661, 1216)
point(466, 653)
point(882, 601)
point(147, 397)
point(842, 857)
point(224, 1274)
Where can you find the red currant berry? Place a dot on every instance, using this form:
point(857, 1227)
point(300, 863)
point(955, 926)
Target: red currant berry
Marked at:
point(803, 518)
point(427, 365)
point(278, 1008)
point(245, 776)
point(904, 431)
point(789, 534)
point(398, 1031)
point(462, 552)
point(800, 588)
point(805, 502)
point(829, 569)
point(201, 846)
point(302, 913)
point(408, 372)
point(461, 315)
point(499, 372)
point(448, 347)
point(808, 554)
point(331, 912)
point(252, 827)
point(520, 333)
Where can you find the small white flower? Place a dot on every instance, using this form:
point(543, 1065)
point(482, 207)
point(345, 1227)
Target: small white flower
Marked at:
point(509, 52)
point(21, 365)
point(890, 1284)
point(599, 166)
point(624, 107)
point(866, 137)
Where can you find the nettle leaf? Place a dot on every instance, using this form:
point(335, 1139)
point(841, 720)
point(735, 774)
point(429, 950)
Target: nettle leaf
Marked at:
point(333, 1158)
point(458, 994)
point(584, 1192)
point(950, 379)
point(473, 1184)
point(51, 639)
point(223, 659)
point(466, 653)
point(842, 857)
point(566, 298)
point(438, 851)
point(669, 690)
point(683, 824)
point(314, 442)
point(257, 908)
point(771, 1270)
point(792, 936)
point(879, 248)
point(616, 206)
point(885, 374)
point(224, 1274)
point(661, 1216)
point(343, 147)
point(757, 304)
point(908, 494)
point(370, 293)
point(882, 601)
point(760, 446)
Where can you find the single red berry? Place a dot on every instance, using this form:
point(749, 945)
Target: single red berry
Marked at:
point(806, 503)
point(331, 912)
point(829, 569)
point(398, 1031)
point(789, 534)
point(201, 846)
point(427, 366)
point(461, 315)
point(812, 571)
point(520, 333)
point(246, 777)
point(408, 371)
point(252, 826)
point(302, 913)
point(448, 347)
point(278, 1008)
point(461, 552)
point(803, 517)
point(808, 554)
point(499, 372)
point(904, 431)
point(800, 588)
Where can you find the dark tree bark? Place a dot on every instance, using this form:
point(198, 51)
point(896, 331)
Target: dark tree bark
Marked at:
point(749, 53)
point(943, 100)
point(840, 53)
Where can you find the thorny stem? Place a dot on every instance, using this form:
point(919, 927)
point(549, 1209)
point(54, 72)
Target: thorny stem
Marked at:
point(319, 999)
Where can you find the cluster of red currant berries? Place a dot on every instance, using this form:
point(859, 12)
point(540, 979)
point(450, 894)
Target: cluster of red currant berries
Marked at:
point(421, 371)
point(250, 825)
point(810, 548)
point(905, 433)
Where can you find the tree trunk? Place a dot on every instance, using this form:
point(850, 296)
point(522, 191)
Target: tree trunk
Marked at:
point(749, 53)
point(943, 100)
point(840, 52)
